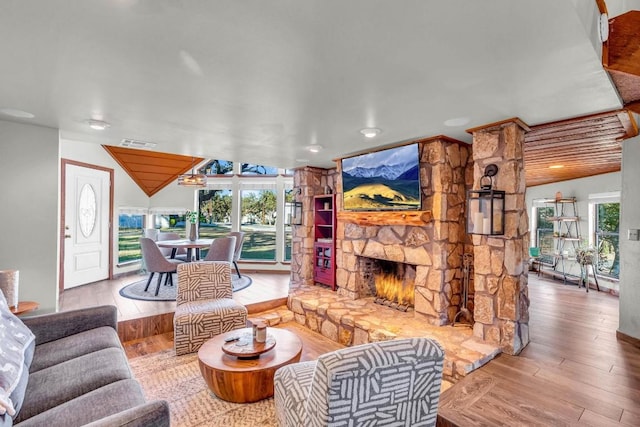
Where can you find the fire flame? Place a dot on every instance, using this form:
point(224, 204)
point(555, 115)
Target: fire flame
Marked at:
point(394, 289)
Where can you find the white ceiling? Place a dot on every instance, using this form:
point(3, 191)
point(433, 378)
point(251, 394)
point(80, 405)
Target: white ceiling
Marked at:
point(259, 80)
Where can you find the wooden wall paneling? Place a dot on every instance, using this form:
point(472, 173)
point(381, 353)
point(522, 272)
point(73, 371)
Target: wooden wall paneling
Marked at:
point(151, 170)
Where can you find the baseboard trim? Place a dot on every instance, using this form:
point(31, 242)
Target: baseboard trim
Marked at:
point(628, 339)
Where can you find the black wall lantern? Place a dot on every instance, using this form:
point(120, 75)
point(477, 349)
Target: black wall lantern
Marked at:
point(485, 207)
point(293, 213)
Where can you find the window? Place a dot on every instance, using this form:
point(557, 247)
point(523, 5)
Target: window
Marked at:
point(249, 169)
point(258, 221)
point(544, 230)
point(217, 167)
point(249, 198)
point(172, 222)
point(215, 213)
point(130, 230)
point(607, 238)
point(288, 198)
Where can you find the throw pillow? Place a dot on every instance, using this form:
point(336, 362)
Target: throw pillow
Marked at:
point(15, 338)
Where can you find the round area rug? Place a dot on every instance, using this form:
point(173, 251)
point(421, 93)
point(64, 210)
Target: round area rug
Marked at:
point(136, 290)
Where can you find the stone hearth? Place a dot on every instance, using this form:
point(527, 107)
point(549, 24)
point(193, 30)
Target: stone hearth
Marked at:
point(353, 322)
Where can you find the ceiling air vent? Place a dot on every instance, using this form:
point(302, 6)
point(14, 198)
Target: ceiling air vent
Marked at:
point(134, 143)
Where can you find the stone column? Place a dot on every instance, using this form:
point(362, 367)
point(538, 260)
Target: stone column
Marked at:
point(311, 182)
point(501, 302)
point(443, 165)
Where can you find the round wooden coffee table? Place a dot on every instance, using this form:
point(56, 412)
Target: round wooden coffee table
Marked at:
point(242, 380)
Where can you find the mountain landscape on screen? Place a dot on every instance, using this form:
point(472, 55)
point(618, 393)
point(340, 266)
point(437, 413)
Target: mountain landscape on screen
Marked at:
point(383, 180)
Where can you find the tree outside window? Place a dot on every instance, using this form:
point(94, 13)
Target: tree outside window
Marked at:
point(170, 223)
point(258, 221)
point(607, 238)
point(217, 167)
point(215, 213)
point(544, 230)
point(250, 169)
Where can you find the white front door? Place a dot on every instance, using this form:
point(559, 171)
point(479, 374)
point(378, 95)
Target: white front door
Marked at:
point(86, 225)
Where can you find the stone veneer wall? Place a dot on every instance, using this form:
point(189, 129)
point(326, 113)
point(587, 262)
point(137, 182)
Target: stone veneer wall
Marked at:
point(501, 303)
point(435, 248)
point(310, 182)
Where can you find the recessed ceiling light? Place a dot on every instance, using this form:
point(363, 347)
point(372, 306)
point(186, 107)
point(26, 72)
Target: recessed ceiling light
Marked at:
point(556, 166)
point(457, 121)
point(98, 124)
point(302, 160)
point(14, 112)
point(314, 148)
point(370, 132)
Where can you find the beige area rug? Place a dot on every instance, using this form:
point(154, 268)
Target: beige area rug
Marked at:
point(177, 379)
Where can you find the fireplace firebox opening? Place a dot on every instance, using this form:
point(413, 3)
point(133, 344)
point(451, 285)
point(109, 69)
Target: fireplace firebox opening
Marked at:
point(392, 283)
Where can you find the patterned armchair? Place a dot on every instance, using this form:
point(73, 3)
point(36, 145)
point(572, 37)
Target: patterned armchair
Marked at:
point(386, 383)
point(204, 305)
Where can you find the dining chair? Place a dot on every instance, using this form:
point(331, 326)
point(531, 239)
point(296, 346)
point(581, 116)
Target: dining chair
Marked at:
point(151, 233)
point(239, 235)
point(221, 249)
point(155, 262)
point(181, 253)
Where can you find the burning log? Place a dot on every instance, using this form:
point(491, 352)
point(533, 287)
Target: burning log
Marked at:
point(393, 288)
point(392, 304)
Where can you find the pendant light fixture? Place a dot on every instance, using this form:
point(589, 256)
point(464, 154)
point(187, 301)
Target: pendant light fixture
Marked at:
point(193, 179)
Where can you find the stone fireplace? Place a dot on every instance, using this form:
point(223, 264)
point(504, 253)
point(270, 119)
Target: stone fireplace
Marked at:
point(431, 241)
point(411, 247)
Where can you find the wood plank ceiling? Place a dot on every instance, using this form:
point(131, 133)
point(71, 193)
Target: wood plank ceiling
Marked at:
point(577, 148)
point(151, 170)
point(621, 57)
point(592, 145)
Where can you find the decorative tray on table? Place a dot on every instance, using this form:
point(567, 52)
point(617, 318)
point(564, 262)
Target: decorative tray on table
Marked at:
point(245, 347)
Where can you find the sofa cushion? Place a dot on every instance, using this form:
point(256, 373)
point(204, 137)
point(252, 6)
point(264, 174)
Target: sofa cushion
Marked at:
point(99, 403)
point(65, 381)
point(58, 351)
point(16, 339)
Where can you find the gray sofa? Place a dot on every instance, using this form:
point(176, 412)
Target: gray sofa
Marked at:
point(76, 373)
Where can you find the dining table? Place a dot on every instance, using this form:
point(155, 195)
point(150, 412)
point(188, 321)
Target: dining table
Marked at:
point(187, 244)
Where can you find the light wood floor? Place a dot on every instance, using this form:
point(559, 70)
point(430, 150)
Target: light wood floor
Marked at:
point(573, 372)
point(264, 287)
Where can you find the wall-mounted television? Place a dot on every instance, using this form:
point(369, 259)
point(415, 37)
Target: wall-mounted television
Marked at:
point(383, 180)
